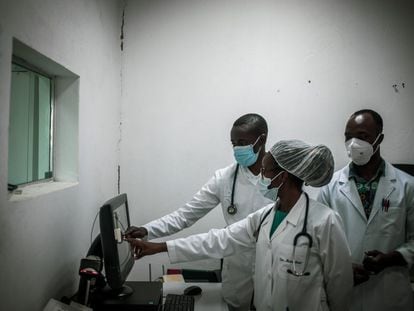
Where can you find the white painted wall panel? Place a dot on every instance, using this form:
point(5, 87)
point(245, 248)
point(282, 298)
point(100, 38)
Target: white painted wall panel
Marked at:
point(190, 68)
point(43, 239)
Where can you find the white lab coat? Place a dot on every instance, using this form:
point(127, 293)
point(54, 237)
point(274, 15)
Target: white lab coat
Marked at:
point(329, 284)
point(237, 274)
point(384, 231)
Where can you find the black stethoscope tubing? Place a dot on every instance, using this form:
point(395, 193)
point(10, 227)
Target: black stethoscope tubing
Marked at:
point(305, 223)
point(231, 209)
point(300, 234)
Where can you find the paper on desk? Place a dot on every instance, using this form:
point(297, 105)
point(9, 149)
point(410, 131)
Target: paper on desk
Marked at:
point(173, 278)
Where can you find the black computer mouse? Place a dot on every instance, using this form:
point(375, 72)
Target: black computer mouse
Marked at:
point(192, 290)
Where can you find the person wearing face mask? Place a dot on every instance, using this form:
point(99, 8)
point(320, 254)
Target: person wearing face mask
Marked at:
point(376, 203)
point(234, 189)
point(303, 261)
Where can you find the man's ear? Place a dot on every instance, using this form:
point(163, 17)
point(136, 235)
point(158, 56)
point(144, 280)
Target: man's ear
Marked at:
point(263, 138)
point(285, 176)
point(381, 138)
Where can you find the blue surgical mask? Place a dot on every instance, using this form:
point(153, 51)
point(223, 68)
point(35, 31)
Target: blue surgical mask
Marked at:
point(264, 184)
point(245, 155)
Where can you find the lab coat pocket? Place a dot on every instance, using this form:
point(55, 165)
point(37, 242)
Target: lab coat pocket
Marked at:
point(284, 258)
point(393, 219)
point(290, 285)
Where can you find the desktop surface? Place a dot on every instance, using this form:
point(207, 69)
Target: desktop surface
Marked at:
point(149, 296)
point(145, 296)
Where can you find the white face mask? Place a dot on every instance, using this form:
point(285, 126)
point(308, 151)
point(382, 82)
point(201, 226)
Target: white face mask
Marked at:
point(360, 151)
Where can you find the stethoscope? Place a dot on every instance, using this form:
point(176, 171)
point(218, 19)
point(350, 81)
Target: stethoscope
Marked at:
point(302, 234)
point(232, 209)
point(307, 236)
point(293, 270)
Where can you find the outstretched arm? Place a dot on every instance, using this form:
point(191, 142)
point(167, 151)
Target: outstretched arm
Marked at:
point(143, 248)
point(206, 199)
point(217, 243)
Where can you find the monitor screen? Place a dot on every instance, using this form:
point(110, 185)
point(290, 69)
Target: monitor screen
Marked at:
point(118, 256)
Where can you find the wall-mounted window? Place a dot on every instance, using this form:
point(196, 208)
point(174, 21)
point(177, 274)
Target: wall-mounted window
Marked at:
point(31, 125)
point(44, 125)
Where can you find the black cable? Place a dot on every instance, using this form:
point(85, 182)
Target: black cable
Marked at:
point(234, 185)
point(93, 225)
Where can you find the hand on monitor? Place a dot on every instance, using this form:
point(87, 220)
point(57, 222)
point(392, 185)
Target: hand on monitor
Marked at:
point(136, 232)
point(142, 248)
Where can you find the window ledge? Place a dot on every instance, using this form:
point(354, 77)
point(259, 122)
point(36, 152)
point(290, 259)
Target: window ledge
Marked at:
point(34, 190)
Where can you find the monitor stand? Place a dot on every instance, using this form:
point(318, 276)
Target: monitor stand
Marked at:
point(124, 291)
point(144, 296)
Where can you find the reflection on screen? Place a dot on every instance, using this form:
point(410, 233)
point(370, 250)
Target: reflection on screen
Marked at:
point(124, 248)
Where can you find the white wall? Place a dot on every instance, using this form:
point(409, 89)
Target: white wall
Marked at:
point(43, 239)
point(190, 68)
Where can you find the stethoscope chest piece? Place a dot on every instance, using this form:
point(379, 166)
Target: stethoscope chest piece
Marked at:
point(232, 209)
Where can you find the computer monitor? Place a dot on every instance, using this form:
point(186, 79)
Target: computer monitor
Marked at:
point(118, 256)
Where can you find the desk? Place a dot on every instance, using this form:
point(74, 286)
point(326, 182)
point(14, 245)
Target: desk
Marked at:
point(209, 300)
point(145, 296)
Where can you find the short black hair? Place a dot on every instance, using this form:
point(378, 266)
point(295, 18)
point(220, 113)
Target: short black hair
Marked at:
point(375, 115)
point(255, 121)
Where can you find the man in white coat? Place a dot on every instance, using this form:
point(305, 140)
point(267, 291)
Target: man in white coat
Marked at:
point(313, 276)
point(234, 188)
point(376, 203)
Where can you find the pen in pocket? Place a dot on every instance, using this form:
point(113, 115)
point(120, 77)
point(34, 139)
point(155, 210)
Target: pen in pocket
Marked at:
point(386, 201)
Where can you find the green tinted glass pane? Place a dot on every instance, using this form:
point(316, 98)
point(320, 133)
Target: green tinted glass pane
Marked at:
point(20, 97)
point(43, 128)
point(30, 126)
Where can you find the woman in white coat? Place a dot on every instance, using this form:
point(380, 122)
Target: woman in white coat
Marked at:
point(317, 273)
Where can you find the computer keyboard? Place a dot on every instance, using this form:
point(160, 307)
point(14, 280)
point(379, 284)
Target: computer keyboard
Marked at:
point(175, 302)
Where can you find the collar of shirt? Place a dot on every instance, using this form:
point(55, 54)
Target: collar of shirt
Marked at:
point(254, 179)
point(277, 220)
point(353, 173)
